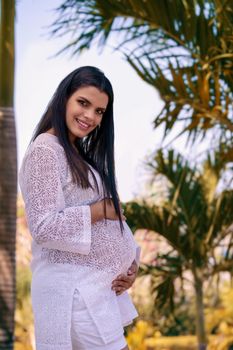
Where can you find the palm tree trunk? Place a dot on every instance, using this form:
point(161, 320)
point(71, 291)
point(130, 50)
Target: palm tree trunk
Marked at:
point(8, 176)
point(7, 226)
point(200, 318)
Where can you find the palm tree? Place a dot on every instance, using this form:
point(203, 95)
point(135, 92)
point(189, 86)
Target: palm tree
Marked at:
point(8, 176)
point(182, 48)
point(194, 218)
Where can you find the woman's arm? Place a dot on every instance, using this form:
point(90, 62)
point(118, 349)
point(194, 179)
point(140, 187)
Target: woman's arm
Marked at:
point(51, 223)
point(124, 282)
point(97, 211)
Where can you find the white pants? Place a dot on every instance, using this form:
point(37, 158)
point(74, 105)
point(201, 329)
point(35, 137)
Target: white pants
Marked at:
point(84, 333)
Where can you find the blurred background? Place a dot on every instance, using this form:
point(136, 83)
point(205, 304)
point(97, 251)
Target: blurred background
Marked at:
point(170, 63)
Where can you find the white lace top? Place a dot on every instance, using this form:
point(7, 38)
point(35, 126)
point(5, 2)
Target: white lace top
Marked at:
point(68, 251)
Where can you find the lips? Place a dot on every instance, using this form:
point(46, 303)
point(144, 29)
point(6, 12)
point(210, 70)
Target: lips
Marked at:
point(82, 124)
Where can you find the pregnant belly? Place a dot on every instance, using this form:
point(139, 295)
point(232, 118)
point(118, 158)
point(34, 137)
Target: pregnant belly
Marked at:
point(112, 251)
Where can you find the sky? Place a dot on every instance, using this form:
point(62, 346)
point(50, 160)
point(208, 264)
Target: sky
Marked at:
point(38, 74)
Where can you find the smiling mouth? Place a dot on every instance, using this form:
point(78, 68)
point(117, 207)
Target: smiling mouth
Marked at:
point(82, 125)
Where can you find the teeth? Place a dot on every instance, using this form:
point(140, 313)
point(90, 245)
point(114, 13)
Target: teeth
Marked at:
point(82, 123)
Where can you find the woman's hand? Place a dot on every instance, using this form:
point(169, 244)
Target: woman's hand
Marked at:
point(124, 282)
point(97, 211)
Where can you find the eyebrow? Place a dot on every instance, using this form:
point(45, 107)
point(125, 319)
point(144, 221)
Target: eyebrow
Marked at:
point(84, 98)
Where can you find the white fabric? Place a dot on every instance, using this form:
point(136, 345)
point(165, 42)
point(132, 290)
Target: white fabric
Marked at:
point(68, 252)
point(84, 333)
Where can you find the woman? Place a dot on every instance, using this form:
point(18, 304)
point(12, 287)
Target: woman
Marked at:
point(84, 255)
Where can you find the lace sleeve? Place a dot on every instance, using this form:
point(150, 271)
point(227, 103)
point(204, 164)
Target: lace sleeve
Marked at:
point(51, 224)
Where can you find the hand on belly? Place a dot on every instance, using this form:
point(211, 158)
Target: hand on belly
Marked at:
point(124, 281)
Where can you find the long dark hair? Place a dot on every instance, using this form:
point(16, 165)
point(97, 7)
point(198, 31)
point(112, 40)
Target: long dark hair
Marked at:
point(97, 148)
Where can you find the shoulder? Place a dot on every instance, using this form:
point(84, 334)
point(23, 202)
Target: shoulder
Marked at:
point(47, 141)
point(44, 150)
point(46, 144)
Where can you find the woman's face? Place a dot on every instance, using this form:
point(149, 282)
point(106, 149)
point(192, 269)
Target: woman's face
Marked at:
point(84, 111)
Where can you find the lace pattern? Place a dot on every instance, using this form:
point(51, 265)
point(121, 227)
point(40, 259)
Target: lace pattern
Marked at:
point(58, 213)
point(68, 252)
point(51, 223)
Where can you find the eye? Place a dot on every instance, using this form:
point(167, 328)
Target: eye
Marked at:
point(100, 112)
point(82, 103)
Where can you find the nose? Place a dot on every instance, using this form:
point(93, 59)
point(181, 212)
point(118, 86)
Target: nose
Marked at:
point(89, 114)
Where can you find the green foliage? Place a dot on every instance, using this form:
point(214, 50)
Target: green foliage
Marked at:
point(219, 318)
point(194, 219)
point(24, 331)
point(7, 17)
point(180, 322)
point(23, 284)
point(185, 50)
point(20, 212)
point(182, 48)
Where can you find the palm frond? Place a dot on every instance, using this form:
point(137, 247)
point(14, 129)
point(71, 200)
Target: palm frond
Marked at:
point(164, 293)
point(182, 48)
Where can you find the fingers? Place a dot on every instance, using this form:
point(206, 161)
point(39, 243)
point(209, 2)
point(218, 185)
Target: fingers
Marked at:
point(119, 290)
point(122, 282)
point(122, 277)
point(131, 270)
point(111, 213)
point(125, 281)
